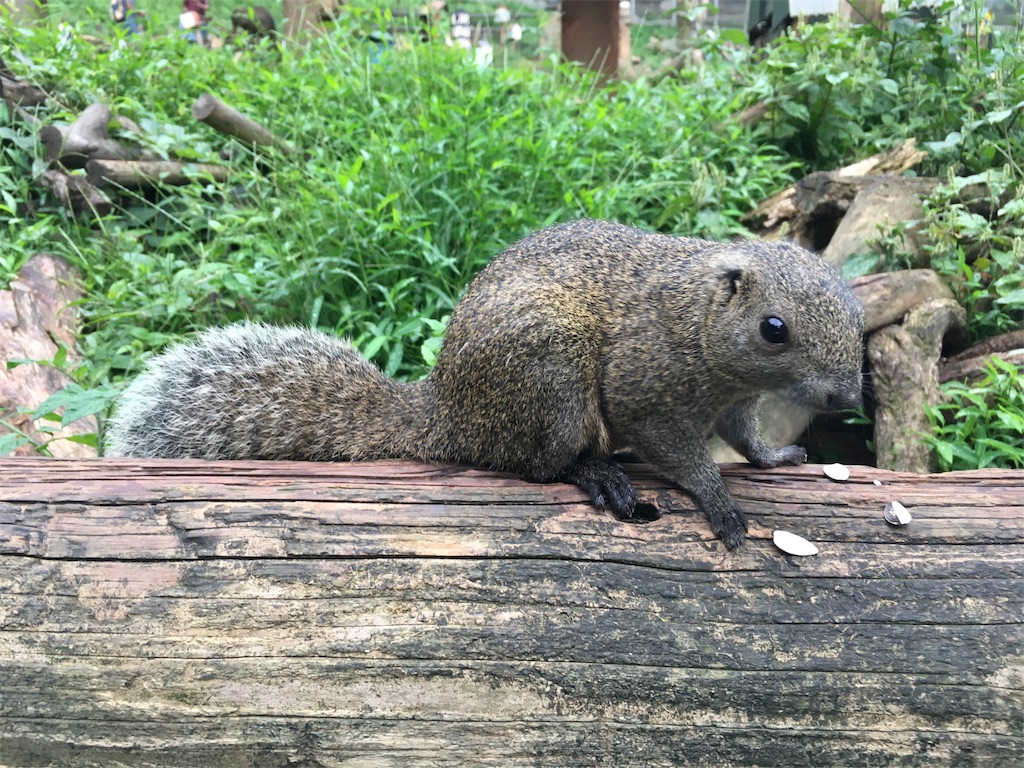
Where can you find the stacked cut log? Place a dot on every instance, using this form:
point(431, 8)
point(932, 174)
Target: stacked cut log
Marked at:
point(111, 163)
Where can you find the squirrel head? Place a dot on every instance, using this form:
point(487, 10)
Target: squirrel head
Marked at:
point(781, 319)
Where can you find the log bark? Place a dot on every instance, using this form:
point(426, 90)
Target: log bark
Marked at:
point(135, 174)
point(229, 121)
point(781, 207)
point(16, 91)
point(269, 614)
point(904, 363)
point(880, 207)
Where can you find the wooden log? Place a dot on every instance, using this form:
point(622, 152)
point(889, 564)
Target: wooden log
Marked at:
point(23, 94)
point(38, 312)
point(134, 174)
point(226, 614)
point(781, 207)
point(904, 362)
point(219, 116)
point(878, 209)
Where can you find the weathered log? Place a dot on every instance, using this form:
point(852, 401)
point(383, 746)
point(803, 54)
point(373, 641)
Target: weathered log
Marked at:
point(781, 207)
point(88, 138)
point(885, 203)
point(904, 363)
point(134, 174)
point(23, 94)
point(37, 311)
point(971, 363)
point(270, 614)
point(888, 296)
point(76, 193)
point(219, 116)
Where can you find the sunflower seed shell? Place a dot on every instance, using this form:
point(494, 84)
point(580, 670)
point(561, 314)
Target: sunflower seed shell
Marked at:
point(838, 472)
point(792, 544)
point(896, 514)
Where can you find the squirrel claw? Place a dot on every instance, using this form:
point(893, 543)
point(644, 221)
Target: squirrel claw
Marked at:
point(606, 483)
point(730, 527)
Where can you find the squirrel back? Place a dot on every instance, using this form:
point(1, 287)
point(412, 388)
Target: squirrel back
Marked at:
point(576, 342)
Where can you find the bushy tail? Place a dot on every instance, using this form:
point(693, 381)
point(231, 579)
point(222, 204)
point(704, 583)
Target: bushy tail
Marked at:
point(252, 391)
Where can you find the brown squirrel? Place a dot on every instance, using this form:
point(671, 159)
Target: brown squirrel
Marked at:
point(580, 341)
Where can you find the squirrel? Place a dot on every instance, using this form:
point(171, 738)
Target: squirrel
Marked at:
point(581, 341)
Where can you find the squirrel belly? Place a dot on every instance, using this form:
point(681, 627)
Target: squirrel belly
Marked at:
point(579, 340)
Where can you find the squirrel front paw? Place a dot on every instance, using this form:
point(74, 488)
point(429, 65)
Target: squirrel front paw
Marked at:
point(729, 525)
point(789, 455)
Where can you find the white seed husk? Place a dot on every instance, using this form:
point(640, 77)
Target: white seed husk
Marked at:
point(838, 472)
point(896, 514)
point(792, 544)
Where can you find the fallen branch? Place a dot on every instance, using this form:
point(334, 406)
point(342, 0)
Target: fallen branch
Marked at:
point(21, 93)
point(970, 363)
point(229, 121)
point(887, 297)
point(782, 206)
point(135, 174)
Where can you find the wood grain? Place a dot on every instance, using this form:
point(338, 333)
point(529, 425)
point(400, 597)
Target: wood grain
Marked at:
point(280, 614)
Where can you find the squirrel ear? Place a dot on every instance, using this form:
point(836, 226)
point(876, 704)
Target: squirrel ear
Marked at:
point(733, 276)
point(731, 282)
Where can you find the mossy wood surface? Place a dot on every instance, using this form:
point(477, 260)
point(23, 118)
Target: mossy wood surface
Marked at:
point(264, 615)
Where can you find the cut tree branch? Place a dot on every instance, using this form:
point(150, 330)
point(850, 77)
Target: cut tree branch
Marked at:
point(135, 174)
point(229, 121)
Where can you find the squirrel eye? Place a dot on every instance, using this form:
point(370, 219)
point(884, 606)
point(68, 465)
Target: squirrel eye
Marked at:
point(774, 330)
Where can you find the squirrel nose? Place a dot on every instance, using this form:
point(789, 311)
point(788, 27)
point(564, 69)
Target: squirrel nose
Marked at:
point(845, 399)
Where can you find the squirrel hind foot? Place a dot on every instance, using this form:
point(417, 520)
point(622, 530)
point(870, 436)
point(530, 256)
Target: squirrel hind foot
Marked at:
point(607, 485)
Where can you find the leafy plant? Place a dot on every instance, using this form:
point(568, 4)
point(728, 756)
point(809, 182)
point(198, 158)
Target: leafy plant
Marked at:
point(82, 397)
point(981, 425)
point(982, 257)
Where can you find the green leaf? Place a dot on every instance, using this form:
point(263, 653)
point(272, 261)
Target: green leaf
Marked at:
point(1013, 298)
point(859, 264)
point(89, 438)
point(889, 86)
point(11, 442)
point(735, 36)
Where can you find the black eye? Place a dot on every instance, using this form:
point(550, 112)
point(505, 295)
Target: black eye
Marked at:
point(774, 331)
